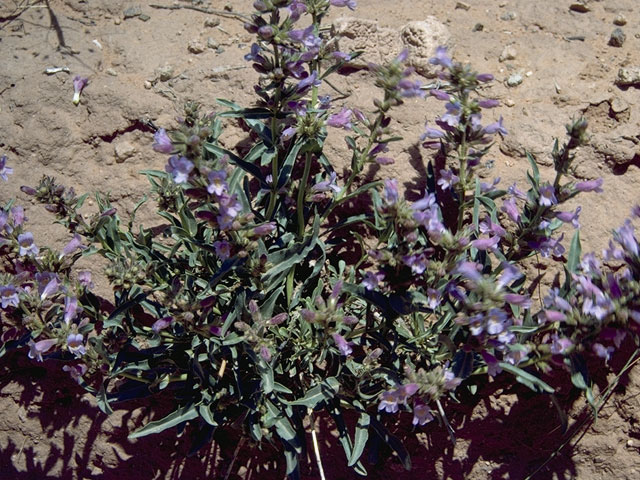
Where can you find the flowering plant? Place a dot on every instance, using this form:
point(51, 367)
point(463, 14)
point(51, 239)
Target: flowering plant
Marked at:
point(242, 307)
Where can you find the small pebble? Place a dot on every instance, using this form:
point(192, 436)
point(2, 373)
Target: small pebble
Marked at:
point(117, 21)
point(212, 22)
point(148, 84)
point(620, 20)
point(195, 47)
point(509, 53)
point(132, 12)
point(618, 105)
point(144, 17)
point(617, 38)
point(112, 72)
point(509, 16)
point(509, 102)
point(212, 43)
point(478, 27)
point(630, 443)
point(579, 7)
point(165, 72)
point(628, 77)
point(514, 80)
point(463, 6)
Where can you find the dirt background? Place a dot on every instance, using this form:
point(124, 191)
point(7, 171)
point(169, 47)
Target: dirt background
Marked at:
point(143, 67)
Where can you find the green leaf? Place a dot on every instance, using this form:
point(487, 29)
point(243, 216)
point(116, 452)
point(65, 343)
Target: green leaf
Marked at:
point(575, 252)
point(324, 391)
point(176, 417)
point(360, 440)
point(246, 166)
point(534, 168)
point(531, 381)
point(289, 161)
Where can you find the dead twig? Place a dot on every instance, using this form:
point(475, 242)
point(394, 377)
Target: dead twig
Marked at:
point(221, 13)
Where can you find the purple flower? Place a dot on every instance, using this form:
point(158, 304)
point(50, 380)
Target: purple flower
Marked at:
point(385, 161)
point(410, 88)
point(493, 366)
point(75, 344)
point(278, 319)
point(572, 217)
point(487, 226)
point(84, 278)
point(485, 243)
point(625, 237)
point(161, 324)
point(342, 344)
point(450, 380)
point(36, 349)
point(549, 246)
point(447, 179)
point(223, 249)
point(547, 196)
point(388, 402)
point(9, 296)
point(495, 127)
point(78, 84)
point(509, 274)
point(18, 215)
point(228, 210)
point(602, 351)
point(488, 103)
point(417, 262)
point(307, 37)
point(470, 271)
point(4, 170)
point(310, 81)
point(522, 301)
point(452, 117)
point(27, 246)
point(345, 57)
point(484, 77)
point(551, 316)
point(496, 321)
point(288, 133)
point(421, 414)
point(179, 168)
point(264, 229)
point(371, 280)
point(430, 132)
point(509, 207)
point(433, 298)
point(48, 284)
point(70, 309)
point(254, 55)
point(76, 371)
point(326, 185)
point(440, 95)
point(74, 244)
point(340, 120)
point(344, 3)
point(390, 191)
point(296, 8)
point(514, 191)
point(162, 142)
point(441, 58)
point(590, 186)
point(217, 182)
point(265, 353)
point(560, 345)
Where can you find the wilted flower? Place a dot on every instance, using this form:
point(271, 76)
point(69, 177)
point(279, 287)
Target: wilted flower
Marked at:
point(5, 171)
point(78, 84)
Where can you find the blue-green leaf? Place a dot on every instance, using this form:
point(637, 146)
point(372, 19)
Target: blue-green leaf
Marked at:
point(176, 417)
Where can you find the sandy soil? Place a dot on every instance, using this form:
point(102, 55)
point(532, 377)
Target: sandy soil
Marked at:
point(144, 67)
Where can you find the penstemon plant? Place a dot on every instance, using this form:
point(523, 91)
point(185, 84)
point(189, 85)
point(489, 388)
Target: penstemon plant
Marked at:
point(242, 310)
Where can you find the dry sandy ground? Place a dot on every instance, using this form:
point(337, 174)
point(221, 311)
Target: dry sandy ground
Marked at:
point(141, 68)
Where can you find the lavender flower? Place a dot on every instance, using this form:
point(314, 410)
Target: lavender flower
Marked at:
point(310, 81)
point(509, 207)
point(223, 249)
point(590, 186)
point(371, 280)
point(602, 351)
point(75, 344)
point(341, 120)
point(84, 278)
point(441, 58)
point(547, 196)
point(78, 84)
point(488, 103)
point(430, 132)
point(326, 185)
point(36, 349)
point(17, 213)
point(161, 324)
point(485, 243)
point(27, 246)
point(48, 284)
point(440, 95)
point(179, 168)
point(264, 229)
point(421, 414)
point(296, 8)
point(625, 237)
point(74, 244)
point(388, 402)
point(70, 309)
point(447, 179)
point(217, 182)
point(162, 142)
point(9, 296)
point(433, 298)
point(76, 371)
point(572, 217)
point(307, 37)
point(417, 262)
point(410, 88)
point(5, 171)
point(496, 127)
point(265, 353)
point(452, 117)
point(560, 345)
point(344, 3)
point(342, 344)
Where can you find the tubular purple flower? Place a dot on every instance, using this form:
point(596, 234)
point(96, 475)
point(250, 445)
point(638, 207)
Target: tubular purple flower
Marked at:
point(487, 226)
point(440, 95)
point(48, 284)
point(310, 81)
point(9, 296)
point(490, 243)
point(447, 179)
point(421, 414)
point(388, 401)
point(296, 8)
point(452, 117)
point(78, 84)
point(470, 271)
point(590, 186)
point(496, 321)
point(264, 229)
point(278, 319)
point(430, 132)
point(342, 344)
point(509, 274)
point(514, 191)
point(217, 182)
point(5, 171)
point(17, 213)
point(326, 185)
point(371, 280)
point(341, 120)
point(410, 88)
point(417, 262)
point(76, 371)
point(625, 237)
point(84, 278)
point(161, 324)
point(551, 316)
point(36, 349)
point(488, 103)
point(496, 127)
point(572, 217)
point(493, 366)
point(441, 58)
point(306, 36)
point(70, 309)
point(385, 161)
point(602, 351)
point(351, 4)
point(510, 208)
point(179, 168)
point(547, 196)
point(522, 301)
point(560, 345)
point(391, 191)
point(26, 244)
point(162, 142)
point(484, 77)
point(74, 244)
point(75, 344)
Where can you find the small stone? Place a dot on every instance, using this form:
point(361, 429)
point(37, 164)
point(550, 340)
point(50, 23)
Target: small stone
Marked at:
point(508, 16)
point(618, 105)
point(509, 102)
point(124, 150)
point(212, 22)
point(112, 72)
point(630, 443)
point(509, 53)
point(117, 21)
point(148, 84)
point(212, 43)
point(144, 17)
point(579, 7)
point(228, 7)
point(195, 47)
point(514, 80)
point(478, 27)
point(132, 12)
point(620, 20)
point(462, 6)
point(617, 38)
point(165, 72)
